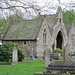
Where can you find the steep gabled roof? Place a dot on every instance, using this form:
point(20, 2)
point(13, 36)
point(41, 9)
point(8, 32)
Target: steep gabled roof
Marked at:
point(23, 30)
point(51, 21)
point(68, 28)
point(29, 29)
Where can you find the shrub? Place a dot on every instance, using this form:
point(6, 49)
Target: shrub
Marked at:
point(6, 52)
point(58, 50)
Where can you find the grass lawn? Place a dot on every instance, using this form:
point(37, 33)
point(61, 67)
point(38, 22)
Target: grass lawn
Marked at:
point(22, 68)
point(73, 59)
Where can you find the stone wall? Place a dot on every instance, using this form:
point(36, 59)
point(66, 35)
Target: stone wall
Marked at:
point(72, 40)
point(28, 48)
point(59, 27)
point(27, 45)
point(64, 34)
point(41, 47)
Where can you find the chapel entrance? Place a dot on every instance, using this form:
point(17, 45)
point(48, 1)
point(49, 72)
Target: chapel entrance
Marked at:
point(59, 40)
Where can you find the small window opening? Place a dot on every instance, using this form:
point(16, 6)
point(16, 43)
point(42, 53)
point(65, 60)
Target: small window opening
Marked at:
point(60, 20)
point(24, 42)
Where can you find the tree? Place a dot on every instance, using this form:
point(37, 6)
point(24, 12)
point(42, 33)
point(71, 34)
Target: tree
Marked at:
point(69, 16)
point(20, 7)
point(3, 24)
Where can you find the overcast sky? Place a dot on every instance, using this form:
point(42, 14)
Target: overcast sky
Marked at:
point(41, 3)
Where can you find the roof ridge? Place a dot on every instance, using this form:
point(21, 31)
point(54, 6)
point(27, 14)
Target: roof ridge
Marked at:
point(37, 19)
point(34, 19)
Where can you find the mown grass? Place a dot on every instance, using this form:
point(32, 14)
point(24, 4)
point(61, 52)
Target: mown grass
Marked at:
point(73, 59)
point(22, 68)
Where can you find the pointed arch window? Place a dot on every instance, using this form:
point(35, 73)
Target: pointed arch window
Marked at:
point(44, 36)
point(60, 20)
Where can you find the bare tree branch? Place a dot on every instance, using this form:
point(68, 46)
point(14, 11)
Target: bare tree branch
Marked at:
point(33, 5)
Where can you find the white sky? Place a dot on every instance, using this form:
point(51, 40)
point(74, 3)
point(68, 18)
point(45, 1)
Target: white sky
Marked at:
point(62, 1)
point(49, 3)
point(54, 3)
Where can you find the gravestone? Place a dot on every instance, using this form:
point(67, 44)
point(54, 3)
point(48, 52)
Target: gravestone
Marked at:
point(66, 53)
point(46, 58)
point(59, 55)
point(14, 55)
point(62, 66)
point(32, 53)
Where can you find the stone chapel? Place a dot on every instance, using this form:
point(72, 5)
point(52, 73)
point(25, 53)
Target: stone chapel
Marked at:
point(46, 32)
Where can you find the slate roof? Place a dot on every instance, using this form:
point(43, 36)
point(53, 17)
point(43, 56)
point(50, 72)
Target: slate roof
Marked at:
point(51, 21)
point(29, 29)
point(68, 28)
point(23, 30)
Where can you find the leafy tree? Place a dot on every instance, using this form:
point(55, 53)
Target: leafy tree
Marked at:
point(3, 24)
point(6, 52)
point(69, 16)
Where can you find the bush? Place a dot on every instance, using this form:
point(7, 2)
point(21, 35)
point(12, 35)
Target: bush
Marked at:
point(6, 52)
point(58, 50)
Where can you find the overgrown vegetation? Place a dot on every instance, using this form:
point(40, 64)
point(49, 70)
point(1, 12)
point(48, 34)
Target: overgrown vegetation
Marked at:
point(6, 52)
point(69, 16)
point(58, 50)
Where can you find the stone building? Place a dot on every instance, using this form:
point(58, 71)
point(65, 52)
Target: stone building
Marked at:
point(47, 32)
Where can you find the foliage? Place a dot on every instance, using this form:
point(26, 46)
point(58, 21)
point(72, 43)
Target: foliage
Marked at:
point(69, 16)
point(23, 68)
point(3, 24)
point(73, 55)
point(6, 52)
point(58, 50)
point(35, 17)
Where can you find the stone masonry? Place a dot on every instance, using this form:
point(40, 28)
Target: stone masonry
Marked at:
point(47, 32)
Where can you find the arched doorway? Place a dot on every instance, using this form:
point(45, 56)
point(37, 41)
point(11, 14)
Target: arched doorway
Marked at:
point(59, 40)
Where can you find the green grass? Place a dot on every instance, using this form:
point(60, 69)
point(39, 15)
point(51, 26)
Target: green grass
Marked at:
point(22, 68)
point(73, 59)
point(58, 60)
